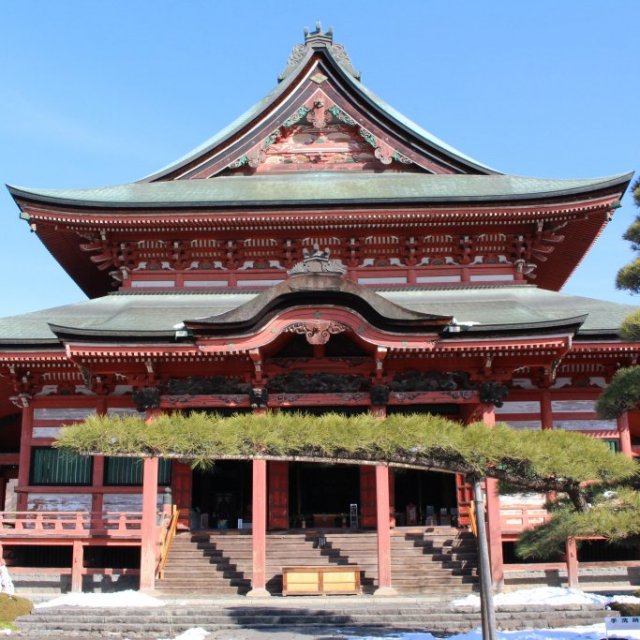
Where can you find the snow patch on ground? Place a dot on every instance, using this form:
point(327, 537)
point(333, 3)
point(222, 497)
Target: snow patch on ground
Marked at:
point(117, 599)
point(195, 633)
point(553, 596)
point(592, 632)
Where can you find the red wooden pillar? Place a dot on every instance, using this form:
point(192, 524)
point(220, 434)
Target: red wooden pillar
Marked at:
point(384, 532)
point(572, 563)
point(494, 529)
point(26, 435)
point(278, 486)
point(97, 499)
point(368, 507)
point(259, 530)
point(546, 410)
point(149, 523)
point(624, 435)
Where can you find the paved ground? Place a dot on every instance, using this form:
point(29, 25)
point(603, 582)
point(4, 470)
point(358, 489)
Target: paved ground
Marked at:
point(250, 634)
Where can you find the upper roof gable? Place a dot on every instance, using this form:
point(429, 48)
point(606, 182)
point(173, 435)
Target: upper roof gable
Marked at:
point(320, 117)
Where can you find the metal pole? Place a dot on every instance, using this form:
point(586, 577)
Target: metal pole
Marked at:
point(487, 611)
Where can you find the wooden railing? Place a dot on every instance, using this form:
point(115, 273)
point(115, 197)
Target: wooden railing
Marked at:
point(70, 523)
point(518, 517)
point(169, 535)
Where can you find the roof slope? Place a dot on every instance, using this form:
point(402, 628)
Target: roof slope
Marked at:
point(322, 187)
point(320, 57)
point(156, 315)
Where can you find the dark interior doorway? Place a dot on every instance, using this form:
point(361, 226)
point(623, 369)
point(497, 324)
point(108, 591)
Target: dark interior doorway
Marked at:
point(221, 495)
point(320, 494)
point(430, 495)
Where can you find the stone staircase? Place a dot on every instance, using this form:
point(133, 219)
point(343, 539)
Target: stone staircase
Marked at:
point(208, 564)
point(312, 617)
point(440, 562)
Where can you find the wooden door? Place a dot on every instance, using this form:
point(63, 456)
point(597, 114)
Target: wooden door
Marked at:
point(181, 481)
point(368, 496)
point(278, 496)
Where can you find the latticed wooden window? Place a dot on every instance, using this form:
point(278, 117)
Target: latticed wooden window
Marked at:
point(57, 467)
point(614, 445)
point(128, 471)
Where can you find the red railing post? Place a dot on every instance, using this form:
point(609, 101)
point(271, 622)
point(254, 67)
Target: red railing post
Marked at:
point(572, 563)
point(77, 562)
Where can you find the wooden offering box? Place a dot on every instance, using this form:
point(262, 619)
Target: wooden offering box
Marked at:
point(326, 580)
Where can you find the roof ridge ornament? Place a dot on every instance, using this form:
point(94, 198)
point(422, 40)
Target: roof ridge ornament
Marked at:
point(317, 261)
point(316, 39)
point(318, 36)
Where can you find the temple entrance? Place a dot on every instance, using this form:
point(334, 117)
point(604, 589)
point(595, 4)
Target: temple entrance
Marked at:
point(320, 494)
point(221, 496)
point(425, 498)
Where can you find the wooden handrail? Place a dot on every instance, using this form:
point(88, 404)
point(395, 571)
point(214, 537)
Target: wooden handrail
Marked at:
point(472, 518)
point(169, 535)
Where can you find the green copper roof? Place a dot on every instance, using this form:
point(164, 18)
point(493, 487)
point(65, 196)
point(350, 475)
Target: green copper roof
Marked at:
point(155, 315)
point(324, 187)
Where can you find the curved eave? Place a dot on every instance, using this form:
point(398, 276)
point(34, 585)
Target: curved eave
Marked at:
point(545, 327)
point(26, 345)
point(612, 335)
point(289, 191)
point(109, 335)
point(318, 291)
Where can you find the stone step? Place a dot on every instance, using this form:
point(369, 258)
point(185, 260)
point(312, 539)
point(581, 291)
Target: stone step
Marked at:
point(382, 616)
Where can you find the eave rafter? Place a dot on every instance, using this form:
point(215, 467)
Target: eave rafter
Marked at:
point(601, 359)
point(94, 220)
point(18, 358)
point(525, 237)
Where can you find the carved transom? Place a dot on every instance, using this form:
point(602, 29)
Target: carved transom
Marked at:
point(317, 331)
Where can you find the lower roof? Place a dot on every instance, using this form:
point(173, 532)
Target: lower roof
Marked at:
point(158, 315)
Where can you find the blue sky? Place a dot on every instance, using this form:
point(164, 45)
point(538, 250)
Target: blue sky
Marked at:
point(95, 93)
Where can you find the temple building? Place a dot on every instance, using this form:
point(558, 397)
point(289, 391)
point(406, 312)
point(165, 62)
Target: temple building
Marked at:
point(322, 253)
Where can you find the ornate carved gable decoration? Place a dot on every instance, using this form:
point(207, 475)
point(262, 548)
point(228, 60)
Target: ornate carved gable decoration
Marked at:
point(321, 136)
point(317, 331)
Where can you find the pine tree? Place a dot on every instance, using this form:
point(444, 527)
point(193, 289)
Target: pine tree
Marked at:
point(623, 393)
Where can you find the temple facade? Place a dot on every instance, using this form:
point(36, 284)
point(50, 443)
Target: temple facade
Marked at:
point(321, 254)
